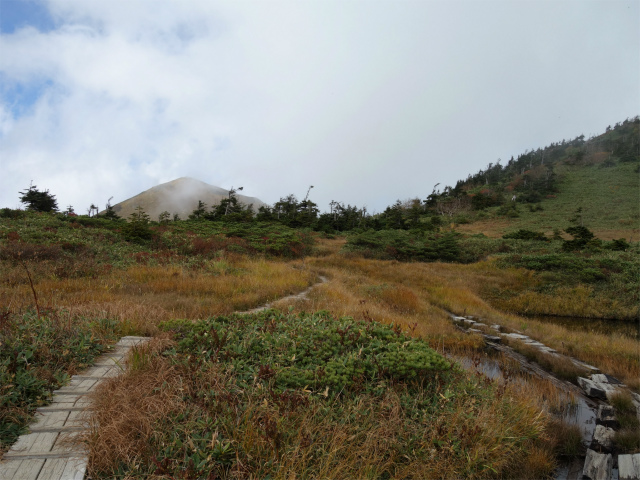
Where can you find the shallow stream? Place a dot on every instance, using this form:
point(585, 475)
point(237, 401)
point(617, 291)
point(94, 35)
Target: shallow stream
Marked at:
point(596, 325)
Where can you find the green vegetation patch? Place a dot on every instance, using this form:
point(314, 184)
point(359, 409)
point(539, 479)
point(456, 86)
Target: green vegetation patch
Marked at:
point(405, 245)
point(315, 351)
point(272, 395)
point(37, 355)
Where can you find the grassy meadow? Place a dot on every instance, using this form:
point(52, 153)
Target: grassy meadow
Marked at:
point(354, 381)
point(608, 197)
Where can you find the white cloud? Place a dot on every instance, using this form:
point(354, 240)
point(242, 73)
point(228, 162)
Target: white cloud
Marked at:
point(368, 101)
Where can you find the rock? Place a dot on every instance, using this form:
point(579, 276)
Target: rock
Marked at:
point(469, 323)
point(606, 416)
point(597, 466)
point(516, 336)
point(496, 327)
point(608, 388)
point(602, 438)
point(549, 350)
point(604, 378)
point(591, 389)
point(629, 467)
point(493, 338)
point(474, 330)
point(458, 319)
point(586, 366)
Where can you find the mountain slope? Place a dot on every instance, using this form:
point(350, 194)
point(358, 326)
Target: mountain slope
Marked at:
point(179, 197)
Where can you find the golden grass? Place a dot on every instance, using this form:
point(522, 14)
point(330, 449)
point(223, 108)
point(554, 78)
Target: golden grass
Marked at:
point(142, 296)
point(504, 437)
point(359, 287)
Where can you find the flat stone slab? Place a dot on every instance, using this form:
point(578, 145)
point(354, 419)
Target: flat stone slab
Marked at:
point(515, 336)
point(629, 467)
point(602, 438)
point(496, 327)
point(597, 466)
point(474, 330)
point(591, 388)
point(604, 378)
point(586, 366)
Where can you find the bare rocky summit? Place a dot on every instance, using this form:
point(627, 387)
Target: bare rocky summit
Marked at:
point(180, 197)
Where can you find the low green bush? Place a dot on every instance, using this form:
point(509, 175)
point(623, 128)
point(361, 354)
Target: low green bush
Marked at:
point(37, 355)
point(406, 246)
point(316, 351)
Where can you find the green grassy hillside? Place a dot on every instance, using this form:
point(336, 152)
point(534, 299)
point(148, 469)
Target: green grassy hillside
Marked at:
point(608, 196)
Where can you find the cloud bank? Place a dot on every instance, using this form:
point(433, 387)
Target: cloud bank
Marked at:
point(367, 101)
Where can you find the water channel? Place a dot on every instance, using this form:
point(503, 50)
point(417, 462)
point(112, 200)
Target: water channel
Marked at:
point(596, 325)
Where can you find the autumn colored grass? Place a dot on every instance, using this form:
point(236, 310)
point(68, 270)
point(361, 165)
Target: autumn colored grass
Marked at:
point(192, 416)
point(142, 296)
point(357, 287)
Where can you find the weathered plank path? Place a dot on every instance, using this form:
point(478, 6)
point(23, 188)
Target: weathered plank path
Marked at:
point(46, 453)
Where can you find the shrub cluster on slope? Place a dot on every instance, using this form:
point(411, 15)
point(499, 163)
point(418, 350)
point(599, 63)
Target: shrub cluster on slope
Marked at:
point(405, 245)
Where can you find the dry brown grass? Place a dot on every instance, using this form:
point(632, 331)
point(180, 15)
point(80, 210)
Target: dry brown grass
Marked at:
point(133, 414)
point(142, 296)
point(360, 287)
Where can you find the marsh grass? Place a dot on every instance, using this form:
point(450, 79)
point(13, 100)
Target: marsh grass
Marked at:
point(356, 287)
point(141, 296)
point(627, 438)
point(194, 415)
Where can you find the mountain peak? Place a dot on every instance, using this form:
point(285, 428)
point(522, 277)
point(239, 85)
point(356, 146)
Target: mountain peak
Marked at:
point(179, 196)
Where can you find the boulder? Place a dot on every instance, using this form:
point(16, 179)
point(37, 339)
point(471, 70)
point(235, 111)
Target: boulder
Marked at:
point(602, 439)
point(629, 467)
point(591, 388)
point(496, 327)
point(604, 378)
point(606, 416)
point(597, 466)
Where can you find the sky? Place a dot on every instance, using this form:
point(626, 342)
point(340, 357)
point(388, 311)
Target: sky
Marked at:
point(369, 101)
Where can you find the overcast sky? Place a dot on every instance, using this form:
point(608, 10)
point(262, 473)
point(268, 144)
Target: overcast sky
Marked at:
point(369, 101)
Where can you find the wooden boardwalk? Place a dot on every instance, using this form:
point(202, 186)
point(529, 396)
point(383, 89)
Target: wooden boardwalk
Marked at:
point(45, 453)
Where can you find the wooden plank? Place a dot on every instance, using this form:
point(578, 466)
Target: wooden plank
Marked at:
point(26, 470)
point(53, 468)
point(9, 467)
point(74, 469)
point(49, 420)
point(77, 419)
point(40, 456)
point(54, 408)
point(33, 443)
point(56, 429)
point(65, 444)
